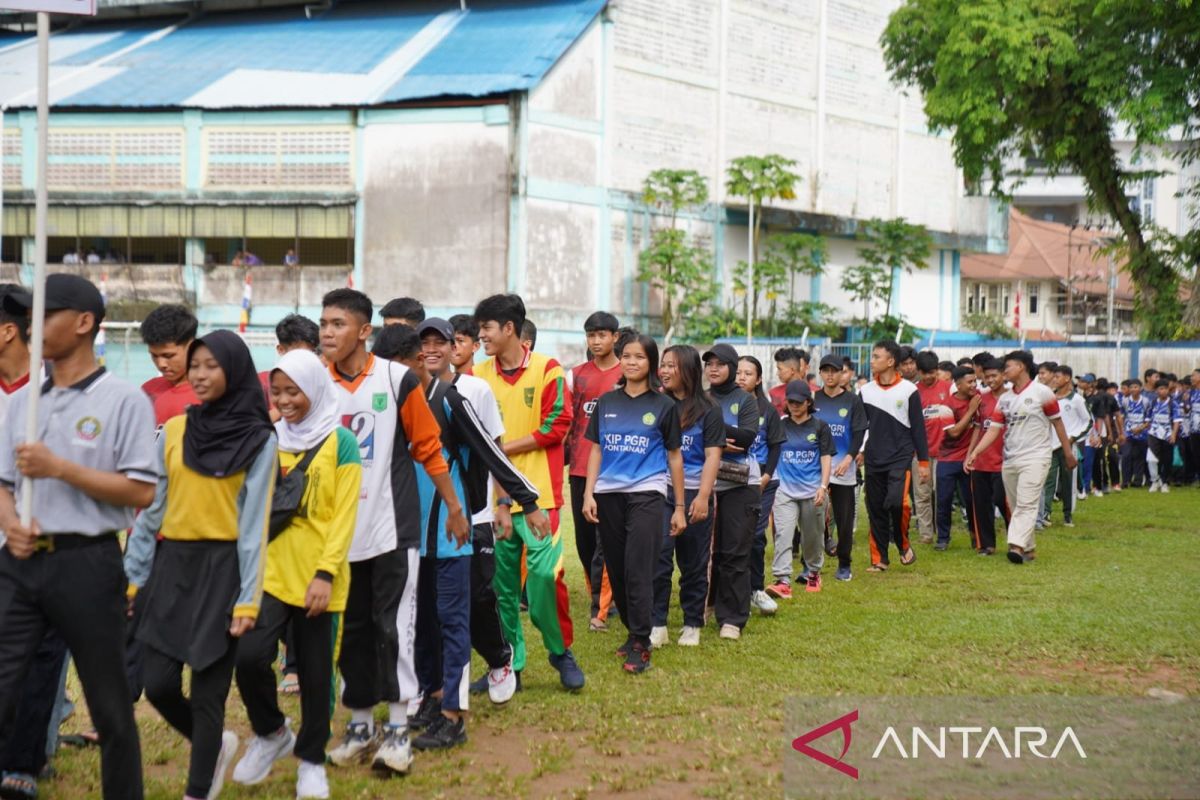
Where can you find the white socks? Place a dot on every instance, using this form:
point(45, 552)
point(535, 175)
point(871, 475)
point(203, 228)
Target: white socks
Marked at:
point(364, 715)
point(398, 714)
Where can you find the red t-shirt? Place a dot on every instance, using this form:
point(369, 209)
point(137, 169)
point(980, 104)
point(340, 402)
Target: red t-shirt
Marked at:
point(992, 459)
point(169, 400)
point(938, 415)
point(264, 378)
point(588, 382)
point(955, 448)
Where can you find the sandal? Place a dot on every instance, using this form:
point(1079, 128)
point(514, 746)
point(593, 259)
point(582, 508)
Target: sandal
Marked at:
point(880, 567)
point(290, 684)
point(909, 557)
point(18, 786)
point(85, 739)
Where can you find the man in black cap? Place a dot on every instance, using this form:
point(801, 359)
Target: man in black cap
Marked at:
point(92, 465)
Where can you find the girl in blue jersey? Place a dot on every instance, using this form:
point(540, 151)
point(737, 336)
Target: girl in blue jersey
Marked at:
point(702, 431)
point(765, 451)
point(804, 466)
point(636, 430)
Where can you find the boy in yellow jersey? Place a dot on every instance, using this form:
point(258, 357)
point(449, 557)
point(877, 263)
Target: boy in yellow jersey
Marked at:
point(531, 391)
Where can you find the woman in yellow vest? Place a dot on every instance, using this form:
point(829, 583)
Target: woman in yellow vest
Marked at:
point(217, 468)
point(307, 578)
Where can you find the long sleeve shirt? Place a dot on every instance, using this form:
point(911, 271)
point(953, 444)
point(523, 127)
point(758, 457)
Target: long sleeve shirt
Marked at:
point(897, 425)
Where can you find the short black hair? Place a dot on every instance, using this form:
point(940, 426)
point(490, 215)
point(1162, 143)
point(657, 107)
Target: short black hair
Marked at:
point(601, 321)
point(397, 342)
point(465, 325)
point(1163, 383)
point(962, 372)
point(994, 364)
point(1148, 372)
point(964, 362)
point(1025, 358)
point(169, 324)
point(296, 329)
point(1063, 369)
point(791, 354)
point(529, 331)
point(906, 353)
point(408, 308)
point(1134, 381)
point(946, 366)
point(1049, 366)
point(21, 321)
point(350, 300)
point(502, 309)
point(927, 361)
point(848, 363)
point(982, 359)
point(891, 347)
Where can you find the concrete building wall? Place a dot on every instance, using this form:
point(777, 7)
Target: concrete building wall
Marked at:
point(436, 210)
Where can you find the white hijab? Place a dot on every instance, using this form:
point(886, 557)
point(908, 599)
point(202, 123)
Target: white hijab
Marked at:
point(307, 372)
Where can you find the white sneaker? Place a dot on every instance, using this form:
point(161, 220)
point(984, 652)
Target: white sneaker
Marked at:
point(502, 684)
point(356, 747)
point(1081, 496)
point(659, 636)
point(689, 637)
point(229, 746)
point(1164, 488)
point(732, 632)
point(762, 601)
point(311, 782)
point(261, 754)
point(1154, 486)
point(1097, 493)
point(395, 753)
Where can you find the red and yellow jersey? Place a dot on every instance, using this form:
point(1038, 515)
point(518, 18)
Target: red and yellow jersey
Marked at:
point(534, 401)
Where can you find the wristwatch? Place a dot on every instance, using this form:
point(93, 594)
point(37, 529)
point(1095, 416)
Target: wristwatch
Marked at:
point(504, 501)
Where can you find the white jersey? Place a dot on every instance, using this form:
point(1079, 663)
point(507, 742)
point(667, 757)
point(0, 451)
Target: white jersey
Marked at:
point(483, 401)
point(1075, 417)
point(1026, 417)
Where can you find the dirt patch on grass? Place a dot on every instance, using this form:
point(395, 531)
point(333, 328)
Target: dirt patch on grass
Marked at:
point(1133, 679)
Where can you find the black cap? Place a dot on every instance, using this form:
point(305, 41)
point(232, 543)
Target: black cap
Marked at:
point(724, 353)
point(437, 325)
point(62, 292)
point(798, 390)
point(832, 361)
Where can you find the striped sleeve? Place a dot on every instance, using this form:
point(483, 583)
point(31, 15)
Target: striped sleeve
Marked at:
point(556, 408)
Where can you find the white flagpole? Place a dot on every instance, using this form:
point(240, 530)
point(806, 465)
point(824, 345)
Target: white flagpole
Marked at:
point(38, 312)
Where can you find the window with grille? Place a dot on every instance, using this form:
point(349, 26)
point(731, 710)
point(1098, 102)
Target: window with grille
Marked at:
point(135, 159)
point(249, 158)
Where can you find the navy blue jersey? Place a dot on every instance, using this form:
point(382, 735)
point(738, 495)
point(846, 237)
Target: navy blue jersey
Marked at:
point(739, 409)
point(1162, 417)
point(769, 434)
point(847, 421)
point(708, 431)
point(634, 435)
point(1137, 412)
point(799, 470)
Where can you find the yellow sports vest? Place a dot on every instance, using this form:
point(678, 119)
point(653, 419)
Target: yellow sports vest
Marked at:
point(199, 507)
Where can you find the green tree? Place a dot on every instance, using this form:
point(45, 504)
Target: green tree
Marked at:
point(891, 245)
point(671, 263)
point(1057, 81)
point(760, 179)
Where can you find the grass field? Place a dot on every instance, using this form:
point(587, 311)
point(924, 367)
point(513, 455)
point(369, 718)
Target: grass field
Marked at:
point(1108, 608)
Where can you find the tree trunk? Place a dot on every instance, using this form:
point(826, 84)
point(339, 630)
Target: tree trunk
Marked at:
point(1156, 293)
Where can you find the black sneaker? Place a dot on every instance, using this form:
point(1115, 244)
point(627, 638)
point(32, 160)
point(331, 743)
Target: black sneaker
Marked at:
point(442, 734)
point(623, 650)
point(638, 660)
point(517, 672)
point(429, 711)
point(480, 686)
point(568, 670)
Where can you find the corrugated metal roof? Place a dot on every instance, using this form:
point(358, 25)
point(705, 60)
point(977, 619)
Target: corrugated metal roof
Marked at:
point(357, 54)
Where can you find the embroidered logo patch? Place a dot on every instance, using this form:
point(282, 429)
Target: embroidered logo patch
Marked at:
point(379, 401)
point(648, 418)
point(843, 412)
point(529, 397)
point(88, 428)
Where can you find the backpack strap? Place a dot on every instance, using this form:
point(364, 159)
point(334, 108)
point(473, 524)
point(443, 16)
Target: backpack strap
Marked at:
point(309, 455)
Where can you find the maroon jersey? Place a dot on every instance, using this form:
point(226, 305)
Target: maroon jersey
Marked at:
point(587, 384)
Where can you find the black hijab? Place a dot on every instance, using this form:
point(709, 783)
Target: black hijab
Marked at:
point(224, 437)
point(727, 355)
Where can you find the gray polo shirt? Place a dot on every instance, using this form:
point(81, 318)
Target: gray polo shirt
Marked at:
point(102, 423)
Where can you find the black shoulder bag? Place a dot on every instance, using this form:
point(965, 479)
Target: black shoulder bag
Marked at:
point(289, 493)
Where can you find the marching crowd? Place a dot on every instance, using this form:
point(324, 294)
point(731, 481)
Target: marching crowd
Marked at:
point(382, 501)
